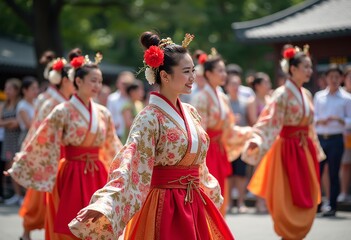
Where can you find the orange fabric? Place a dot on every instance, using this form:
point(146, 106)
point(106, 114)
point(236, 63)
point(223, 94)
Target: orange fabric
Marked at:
point(271, 182)
point(33, 210)
point(166, 215)
point(347, 141)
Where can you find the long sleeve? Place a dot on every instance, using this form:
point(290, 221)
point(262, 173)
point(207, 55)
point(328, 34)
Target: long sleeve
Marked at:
point(128, 185)
point(36, 165)
point(267, 128)
point(112, 144)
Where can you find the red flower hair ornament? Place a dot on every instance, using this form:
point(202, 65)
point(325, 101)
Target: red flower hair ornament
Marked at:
point(77, 62)
point(289, 53)
point(154, 57)
point(54, 75)
point(202, 58)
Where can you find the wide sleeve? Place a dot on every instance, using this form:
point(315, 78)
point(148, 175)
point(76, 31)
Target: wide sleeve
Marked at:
point(128, 185)
point(267, 128)
point(112, 144)
point(234, 136)
point(201, 102)
point(208, 183)
point(36, 165)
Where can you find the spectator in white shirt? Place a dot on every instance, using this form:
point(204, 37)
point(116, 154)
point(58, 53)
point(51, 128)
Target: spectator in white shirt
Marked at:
point(332, 116)
point(26, 107)
point(118, 99)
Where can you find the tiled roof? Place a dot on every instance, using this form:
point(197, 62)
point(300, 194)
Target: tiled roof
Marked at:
point(309, 20)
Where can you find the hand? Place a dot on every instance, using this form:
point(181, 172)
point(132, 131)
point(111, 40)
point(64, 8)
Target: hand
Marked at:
point(252, 148)
point(12, 124)
point(336, 118)
point(6, 173)
point(84, 215)
point(322, 122)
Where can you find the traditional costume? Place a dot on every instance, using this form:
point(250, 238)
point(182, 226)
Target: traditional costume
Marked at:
point(89, 141)
point(287, 177)
point(159, 185)
point(33, 208)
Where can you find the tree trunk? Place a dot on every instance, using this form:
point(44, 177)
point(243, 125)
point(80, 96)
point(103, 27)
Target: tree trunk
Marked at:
point(46, 32)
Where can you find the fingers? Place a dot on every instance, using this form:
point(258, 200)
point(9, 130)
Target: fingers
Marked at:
point(6, 173)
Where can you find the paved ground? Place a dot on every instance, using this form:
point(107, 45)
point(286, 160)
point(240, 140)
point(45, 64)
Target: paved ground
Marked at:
point(244, 226)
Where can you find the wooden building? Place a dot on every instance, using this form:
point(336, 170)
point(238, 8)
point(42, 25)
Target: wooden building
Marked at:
point(323, 24)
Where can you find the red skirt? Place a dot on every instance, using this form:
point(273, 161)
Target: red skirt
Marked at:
point(216, 159)
point(177, 208)
point(80, 174)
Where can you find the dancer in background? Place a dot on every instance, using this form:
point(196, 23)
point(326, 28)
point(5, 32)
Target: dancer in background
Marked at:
point(159, 183)
point(33, 209)
point(217, 119)
point(86, 131)
point(287, 149)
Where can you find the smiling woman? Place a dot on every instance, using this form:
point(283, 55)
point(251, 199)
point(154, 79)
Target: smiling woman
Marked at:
point(159, 182)
point(83, 132)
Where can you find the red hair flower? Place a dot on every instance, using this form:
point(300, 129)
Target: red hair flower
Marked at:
point(77, 61)
point(289, 53)
point(202, 58)
point(58, 65)
point(154, 57)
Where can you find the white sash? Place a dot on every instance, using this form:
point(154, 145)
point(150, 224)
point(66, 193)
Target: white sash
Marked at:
point(93, 117)
point(216, 99)
point(193, 138)
point(301, 97)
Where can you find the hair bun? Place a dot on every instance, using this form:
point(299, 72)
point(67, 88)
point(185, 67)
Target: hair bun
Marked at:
point(76, 52)
point(47, 57)
point(148, 39)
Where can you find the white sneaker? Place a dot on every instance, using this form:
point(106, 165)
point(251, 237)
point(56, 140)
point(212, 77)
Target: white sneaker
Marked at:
point(341, 197)
point(12, 200)
point(325, 206)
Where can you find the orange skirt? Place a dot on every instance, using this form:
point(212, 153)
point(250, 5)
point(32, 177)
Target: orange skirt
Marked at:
point(271, 182)
point(33, 210)
point(166, 215)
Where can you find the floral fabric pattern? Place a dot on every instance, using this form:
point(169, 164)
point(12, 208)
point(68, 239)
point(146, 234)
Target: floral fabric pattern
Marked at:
point(36, 165)
point(284, 109)
point(154, 139)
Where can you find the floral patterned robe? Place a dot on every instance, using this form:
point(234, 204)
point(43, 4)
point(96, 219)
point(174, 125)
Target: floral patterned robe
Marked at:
point(287, 176)
point(33, 208)
point(70, 124)
point(218, 120)
point(159, 137)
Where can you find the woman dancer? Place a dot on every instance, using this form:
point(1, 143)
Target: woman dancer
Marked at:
point(33, 209)
point(284, 138)
point(85, 129)
point(159, 183)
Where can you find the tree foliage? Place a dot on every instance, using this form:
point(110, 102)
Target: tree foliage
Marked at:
point(114, 26)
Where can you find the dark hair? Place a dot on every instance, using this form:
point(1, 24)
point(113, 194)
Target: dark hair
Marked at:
point(75, 52)
point(334, 68)
point(297, 59)
point(82, 71)
point(27, 81)
point(211, 63)
point(234, 69)
point(132, 87)
point(47, 57)
point(172, 53)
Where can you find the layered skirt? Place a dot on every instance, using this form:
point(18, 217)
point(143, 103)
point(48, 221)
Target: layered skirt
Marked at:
point(288, 179)
point(177, 208)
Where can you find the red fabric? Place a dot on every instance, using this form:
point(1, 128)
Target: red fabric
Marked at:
point(216, 158)
point(75, 187)
point(296, 165)
point(181, 220)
